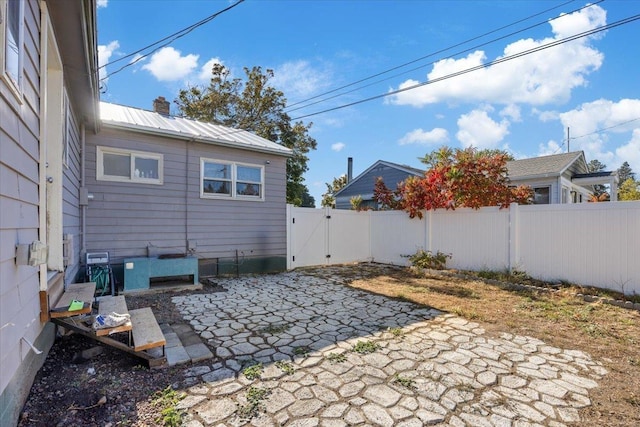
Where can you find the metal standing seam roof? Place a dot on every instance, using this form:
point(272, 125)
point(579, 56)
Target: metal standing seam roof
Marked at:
point(169, 126)
point(552, 165)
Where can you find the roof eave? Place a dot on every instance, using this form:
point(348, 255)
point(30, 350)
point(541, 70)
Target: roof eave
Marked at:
point(285, 152)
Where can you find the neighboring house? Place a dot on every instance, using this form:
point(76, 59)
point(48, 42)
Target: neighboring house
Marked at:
point(48, 93)
point(559, 178)
point(363, 185)
point(162, 184)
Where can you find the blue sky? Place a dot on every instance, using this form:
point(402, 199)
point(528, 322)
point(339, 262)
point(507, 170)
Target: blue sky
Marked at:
point(524, 105)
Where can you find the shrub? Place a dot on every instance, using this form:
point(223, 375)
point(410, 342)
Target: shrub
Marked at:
point(427, 259)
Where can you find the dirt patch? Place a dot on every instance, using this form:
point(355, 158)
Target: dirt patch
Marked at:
point(66, 393)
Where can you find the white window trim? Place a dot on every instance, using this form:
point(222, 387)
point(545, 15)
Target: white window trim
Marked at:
point(540, 187)
point(100, 176)
point(234, 180)
point(14, 87)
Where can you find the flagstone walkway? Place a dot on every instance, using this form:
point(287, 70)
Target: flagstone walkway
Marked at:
point(300, 350)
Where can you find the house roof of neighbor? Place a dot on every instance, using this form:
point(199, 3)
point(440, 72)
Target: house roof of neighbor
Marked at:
point(150, 122)
point(553, 165)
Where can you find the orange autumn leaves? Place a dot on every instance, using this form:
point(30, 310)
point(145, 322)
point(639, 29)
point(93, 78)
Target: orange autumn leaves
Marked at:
point(456, 178)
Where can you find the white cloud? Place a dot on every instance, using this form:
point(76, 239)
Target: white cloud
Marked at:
point(543, 77)
point(338, 146)
point(299, 79)
point(422, 137)
point(593, 125)
point(104, 55)
point(168, 64)
point(546, 116)
point(479, 130)
point(102, 3)
point(551, 147)
point(205, 70)
point(601, 114)
point(512, 112)
point(630, 152)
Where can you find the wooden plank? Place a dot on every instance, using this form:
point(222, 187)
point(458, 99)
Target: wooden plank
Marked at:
point(146, 331)
point(88, 332)
point(115, 304)
point(76, 291)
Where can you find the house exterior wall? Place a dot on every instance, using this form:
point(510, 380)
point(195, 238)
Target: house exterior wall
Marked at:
point(22, 215)
point(71, 211)
point(134, 219)
point(19, 223)
point(363, 185)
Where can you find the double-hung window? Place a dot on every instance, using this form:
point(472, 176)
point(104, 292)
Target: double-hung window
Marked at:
point(222, 179)
point(115, 164)
point(12, 48)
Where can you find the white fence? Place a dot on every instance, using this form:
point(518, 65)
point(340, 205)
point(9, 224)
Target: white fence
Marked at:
point(594, 244)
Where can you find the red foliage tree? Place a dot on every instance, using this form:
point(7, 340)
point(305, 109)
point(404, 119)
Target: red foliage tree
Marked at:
point(460, 178)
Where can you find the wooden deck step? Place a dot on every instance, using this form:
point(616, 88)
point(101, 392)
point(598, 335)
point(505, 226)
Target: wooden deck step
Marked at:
point(146, 331)
point(76, 291)
point(116, 304)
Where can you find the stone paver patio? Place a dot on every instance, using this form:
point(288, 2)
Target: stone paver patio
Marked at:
point(425, 367)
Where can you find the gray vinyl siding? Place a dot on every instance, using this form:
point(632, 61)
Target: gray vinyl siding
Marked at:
point(364, 184)
point(134, 219)
point(71, 214)
point(19, 220)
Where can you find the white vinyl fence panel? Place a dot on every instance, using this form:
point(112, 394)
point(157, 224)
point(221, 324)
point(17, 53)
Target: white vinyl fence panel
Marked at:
point(476, 239)
point(595, 245)
point(588, 244)
point(394, 236)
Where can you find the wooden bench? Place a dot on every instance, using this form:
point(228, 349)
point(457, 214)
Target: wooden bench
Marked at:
point(146, 331)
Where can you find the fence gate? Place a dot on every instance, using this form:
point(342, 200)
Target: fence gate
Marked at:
point(326, 236)
point(307, 237)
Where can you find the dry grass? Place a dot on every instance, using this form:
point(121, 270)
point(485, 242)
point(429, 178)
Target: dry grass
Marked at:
point(609, 334)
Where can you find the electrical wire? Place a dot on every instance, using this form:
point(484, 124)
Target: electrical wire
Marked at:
point(481, 66)
point(603, 129)
point(595, 132)
point(171, 38)
point(436, 53)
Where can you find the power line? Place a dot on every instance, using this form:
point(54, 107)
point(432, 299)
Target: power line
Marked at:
point(171, 38)
point(603, 129)
point(433, 54)
point(481, 66)
point(564, 141)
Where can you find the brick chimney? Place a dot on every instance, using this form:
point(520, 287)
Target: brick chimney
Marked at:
point(162, 106)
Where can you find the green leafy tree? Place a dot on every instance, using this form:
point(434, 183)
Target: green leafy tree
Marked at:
point(328, 198)
point(308, 201)
point(629, 190)
point(255, 106)
point(455, 178)
point(625, 172)
point(490, 152)
point(596, 166)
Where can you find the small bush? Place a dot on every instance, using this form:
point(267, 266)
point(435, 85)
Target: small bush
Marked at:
point(427, 259)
